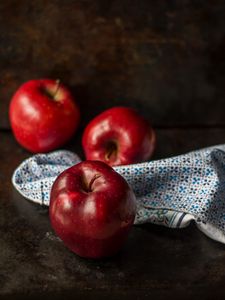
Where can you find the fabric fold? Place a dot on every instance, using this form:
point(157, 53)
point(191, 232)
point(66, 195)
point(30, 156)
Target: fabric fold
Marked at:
point(170, 192)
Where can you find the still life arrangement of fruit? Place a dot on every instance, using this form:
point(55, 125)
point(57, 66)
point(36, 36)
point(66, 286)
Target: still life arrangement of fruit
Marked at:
point(92, 207)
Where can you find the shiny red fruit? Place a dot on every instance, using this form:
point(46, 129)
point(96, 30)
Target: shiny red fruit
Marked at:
point(43, 115)
point(118, 136)
point(92, 209)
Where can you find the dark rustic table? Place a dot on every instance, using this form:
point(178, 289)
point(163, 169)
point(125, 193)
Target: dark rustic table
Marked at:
point(164, 58)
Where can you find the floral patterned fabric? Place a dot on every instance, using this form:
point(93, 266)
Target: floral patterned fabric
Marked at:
point(170, 192)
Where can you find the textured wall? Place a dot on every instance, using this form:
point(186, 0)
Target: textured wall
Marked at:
point(166, 58)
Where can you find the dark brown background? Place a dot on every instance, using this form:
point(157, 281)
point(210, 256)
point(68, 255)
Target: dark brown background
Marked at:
point(164, 58)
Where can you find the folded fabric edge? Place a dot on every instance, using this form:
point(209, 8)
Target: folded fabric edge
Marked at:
point(211, 231)
point(175, 220)
point(162, 216)
point(44, 202)
point(40, 201)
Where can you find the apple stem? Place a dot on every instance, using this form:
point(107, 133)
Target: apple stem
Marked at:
point(111, 149)
point(92, 181)
point(109, 153)
point(57, 88)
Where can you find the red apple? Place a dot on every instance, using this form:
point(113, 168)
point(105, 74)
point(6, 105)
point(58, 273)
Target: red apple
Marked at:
point(43, 115)
point(118, 136)
point(92, 209)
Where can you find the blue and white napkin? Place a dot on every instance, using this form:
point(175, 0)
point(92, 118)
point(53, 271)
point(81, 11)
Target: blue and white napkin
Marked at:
point(170, 192)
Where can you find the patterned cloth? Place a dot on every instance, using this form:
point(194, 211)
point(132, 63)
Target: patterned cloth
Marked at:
point(170, 192)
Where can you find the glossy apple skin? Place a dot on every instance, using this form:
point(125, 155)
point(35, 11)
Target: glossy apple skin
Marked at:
point(43, 115)
point(92, 209)
point(118, 136)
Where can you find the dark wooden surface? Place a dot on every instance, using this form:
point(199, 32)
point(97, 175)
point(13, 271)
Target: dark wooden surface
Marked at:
point(164, 58)
point(155, 262)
